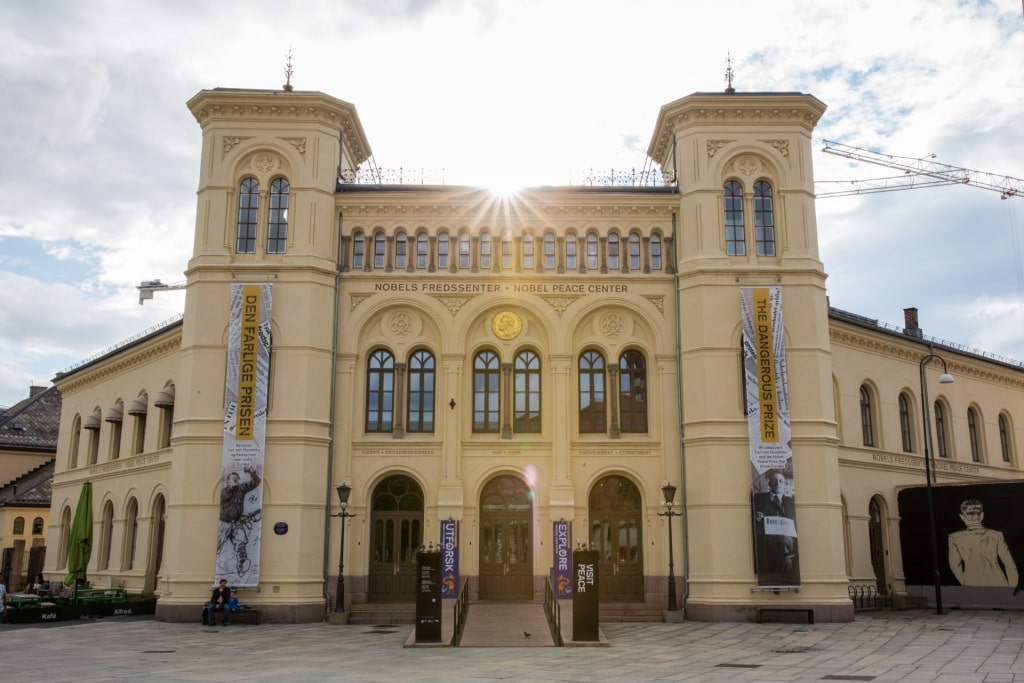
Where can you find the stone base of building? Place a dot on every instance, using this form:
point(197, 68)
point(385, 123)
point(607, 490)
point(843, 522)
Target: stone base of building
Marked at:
point(268, 614)
point(797, 612)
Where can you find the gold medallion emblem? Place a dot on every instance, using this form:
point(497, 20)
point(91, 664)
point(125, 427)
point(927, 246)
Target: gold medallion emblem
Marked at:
point(506, 325)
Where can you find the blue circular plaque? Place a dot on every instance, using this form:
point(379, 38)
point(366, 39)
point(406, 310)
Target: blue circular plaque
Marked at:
point(281, 528)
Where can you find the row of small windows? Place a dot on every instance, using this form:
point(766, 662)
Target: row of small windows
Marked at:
point(137, 410)
point(736, 224)
point(942, 432)
point(390, 384)
point(548, 252)
point(250, 217)
point(19, 526)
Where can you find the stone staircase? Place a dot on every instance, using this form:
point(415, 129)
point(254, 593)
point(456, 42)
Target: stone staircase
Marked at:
point(631, 612)
point(378, 613)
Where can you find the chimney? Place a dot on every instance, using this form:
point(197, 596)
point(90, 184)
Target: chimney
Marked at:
point(910, 323)
point(34, 391)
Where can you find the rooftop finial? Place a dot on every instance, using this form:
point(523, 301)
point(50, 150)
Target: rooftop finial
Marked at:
point(729, 73)
point(288, 72)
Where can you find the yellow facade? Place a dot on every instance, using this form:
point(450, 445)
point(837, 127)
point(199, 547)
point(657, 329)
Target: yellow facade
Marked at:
point(578, 344)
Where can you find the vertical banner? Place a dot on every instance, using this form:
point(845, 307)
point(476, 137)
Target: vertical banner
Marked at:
point(561, 563)
point(245, 421)
point(449, 558)
point(773, 502)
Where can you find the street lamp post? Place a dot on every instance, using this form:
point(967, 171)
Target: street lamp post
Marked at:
point(669, 491)
point(929, 467)
point(344, 491)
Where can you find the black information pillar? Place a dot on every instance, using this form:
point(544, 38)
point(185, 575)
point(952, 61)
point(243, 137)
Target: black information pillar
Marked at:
point(585, 604)
point(428, 597)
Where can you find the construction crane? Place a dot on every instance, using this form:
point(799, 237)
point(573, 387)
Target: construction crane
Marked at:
point(148, 287)
point(917, 173)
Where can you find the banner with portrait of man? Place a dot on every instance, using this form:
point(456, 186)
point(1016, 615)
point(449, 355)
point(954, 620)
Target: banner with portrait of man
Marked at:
point(245, 420)
point(773, 499)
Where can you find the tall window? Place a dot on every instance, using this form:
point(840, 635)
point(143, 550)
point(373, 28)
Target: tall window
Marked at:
point(735, 242)
point(37, 526)
point(401, 247)
point(506, 250)
point(464, 253)
point(570, 251)
point(380, 391)
point(591, 251)
point(106, 536)
point(972, 433)
point(940, 430)
point(76, 437)
point(528, 263)
point(131, 530)
point(358, 250)
point(248, 215)
point(613, 252)
point(593, 411)
point(379, 250)
point(19, 526)
point(764, 219)
point(277, 224)
point(1004, 438)
point(908, 444)
point(865, 416)
point(549, 251)
point(526, 378)
point(486, 379)
point(442, 250)
point(655, 251)
point(633, 392)
point(485, 250)
point(634, 252)
point(421, 392)
point(422, 250)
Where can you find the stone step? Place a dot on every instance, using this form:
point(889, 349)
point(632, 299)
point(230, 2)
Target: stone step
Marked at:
point(628, 612)
point(372, 613)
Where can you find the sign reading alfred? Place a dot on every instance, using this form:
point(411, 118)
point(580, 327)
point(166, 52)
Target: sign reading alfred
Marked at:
point(585, 603)
point(773, 501)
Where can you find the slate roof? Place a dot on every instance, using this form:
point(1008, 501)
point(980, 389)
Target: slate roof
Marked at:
point(32, 424)
point(32, 489)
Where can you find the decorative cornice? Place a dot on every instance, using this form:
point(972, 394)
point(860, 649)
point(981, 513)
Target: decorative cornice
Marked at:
point(468, 212)
point(123, 360)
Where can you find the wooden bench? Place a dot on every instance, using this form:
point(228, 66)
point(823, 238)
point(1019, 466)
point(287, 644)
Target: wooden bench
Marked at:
point(795, 615)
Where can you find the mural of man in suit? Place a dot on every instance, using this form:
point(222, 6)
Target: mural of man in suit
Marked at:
point(979, 556)
point(776, 540)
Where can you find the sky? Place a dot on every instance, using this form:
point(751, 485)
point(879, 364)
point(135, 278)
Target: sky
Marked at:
point(99, 162)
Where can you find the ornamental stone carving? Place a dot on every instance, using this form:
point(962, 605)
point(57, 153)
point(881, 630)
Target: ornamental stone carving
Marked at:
point(612, 325)
point(265, 163)
point(748, 165)
point(506, 325)
point(402, 324)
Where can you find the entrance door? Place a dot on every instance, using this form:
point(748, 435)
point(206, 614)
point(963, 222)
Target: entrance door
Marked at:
point(876, 544)
point(396, 533)
point(615, 533)
point(506, 556)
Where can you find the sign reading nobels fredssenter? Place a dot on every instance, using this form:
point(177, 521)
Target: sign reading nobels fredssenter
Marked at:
point(245, 421)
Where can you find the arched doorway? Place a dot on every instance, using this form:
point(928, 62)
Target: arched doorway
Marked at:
point(506, 543)
point(615, 533)
point(876, 542)
point(396, 532)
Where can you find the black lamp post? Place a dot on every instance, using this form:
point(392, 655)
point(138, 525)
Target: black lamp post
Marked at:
point(344, 491)
point(669, 491)
point(929, 468)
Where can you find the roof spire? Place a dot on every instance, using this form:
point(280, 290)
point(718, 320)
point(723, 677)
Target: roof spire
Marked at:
point(288, 72)
point(729, 73)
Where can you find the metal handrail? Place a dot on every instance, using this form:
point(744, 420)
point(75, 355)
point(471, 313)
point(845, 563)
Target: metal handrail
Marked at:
point(461, 608)
point(554, 613)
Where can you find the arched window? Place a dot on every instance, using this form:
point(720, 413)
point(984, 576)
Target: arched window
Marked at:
point(592, 251)
point(401, 250)
point(549, 251)
point(613, 252)
point(570, 251)
point(940, 431)
point(485, 250)
point(422, 250)
point(19, 526)
point(442, 250)
point(526, 377)
point(37, 526)
point(593, 410)
point(632, 392)
point(905, 430)
point(277, 224)
point(248, 215)
point(65, 534)
point(528, 262)
point(735, 241)
point(973, 435)
point(380, 391)
point(655, 251)
point(866, 422)
point(379, 251)
point(76, 435)
point(131, 531)
point(634, 252)
point(464, 250)
point(1004, 439)
point(506, 250)
point(421, 392)
point(106, 536)
point(358, 250)
point(486, 377)
point(764, 219)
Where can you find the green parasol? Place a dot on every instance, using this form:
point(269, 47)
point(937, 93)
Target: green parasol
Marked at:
point(80, 538)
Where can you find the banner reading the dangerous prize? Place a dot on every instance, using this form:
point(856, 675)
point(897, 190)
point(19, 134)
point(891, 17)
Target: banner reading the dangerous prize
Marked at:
point(245, 421)
point(561, 564)
point(449, 558)
point(773, 500)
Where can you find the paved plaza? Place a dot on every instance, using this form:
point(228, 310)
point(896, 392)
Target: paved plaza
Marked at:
point(918, 646)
